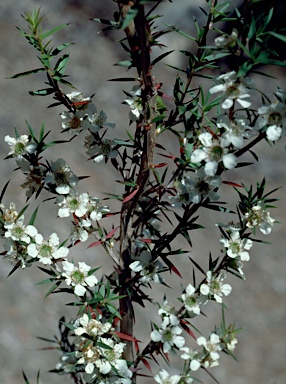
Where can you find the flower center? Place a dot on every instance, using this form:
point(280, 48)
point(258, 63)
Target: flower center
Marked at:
point(75, 122)
point(46, 250)
point(232, 91)
point(77, 277)
point(191, 301)
point(235, 247)
point(19, 148)
point(203, 186)
point(216, 153)
point(73, 204)
point(275, 118)
point(167, 335)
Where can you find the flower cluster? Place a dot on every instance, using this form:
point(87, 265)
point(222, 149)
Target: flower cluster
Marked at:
point(84, 209)
point(24, 241)
point(207, 356)
point(194, 189)
point(98, 351)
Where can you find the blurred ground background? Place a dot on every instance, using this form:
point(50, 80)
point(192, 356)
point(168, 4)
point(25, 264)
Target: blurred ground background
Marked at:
point(258, 304)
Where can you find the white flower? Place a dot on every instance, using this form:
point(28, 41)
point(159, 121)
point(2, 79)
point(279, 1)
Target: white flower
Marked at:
point(9, 214)
point(62, 176)
point(15, 253)
point(17, 231)
point(76, 97)
point(20, 145)
point(258, 216)
point(135, 103)
point(163, 377)
point(227, 41)
point(73, 203)
point(194, 189)
point(90, 326)
point(231, 345)
point(233, 88)
point(211, 346)
point(78, 232)
point(48, 250)
point(194, 357)
point(192, 300)
point(166, 309)
point(215, 287)
point(235, 131)
point(75, 122)
point(103, 149)
point(148, 269)
point(78, 277)
point(237, 247)
point(168, 334)
point(213, 152)
point(273, 117)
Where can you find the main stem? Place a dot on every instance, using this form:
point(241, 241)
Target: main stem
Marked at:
point(137, 34)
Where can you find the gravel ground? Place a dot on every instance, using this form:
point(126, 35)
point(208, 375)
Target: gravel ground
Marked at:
point(258, 304)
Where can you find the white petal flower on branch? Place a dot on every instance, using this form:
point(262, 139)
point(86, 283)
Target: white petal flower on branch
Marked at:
point(195, 188)
point(214, 286)
point(135, 103)
point(273, 117)
point(227, 41)
point(73, 203)
point(237, 247)
point(234, 131)
point(213, 152)
point(78, 277)
point(61, 176)
point(259, 217)
point(47, 250)
point(147, 268)
point(163, 377)
point(168, 334)
point(20, 145)
point(20, 232)
point(192, 300)
point(234, 89)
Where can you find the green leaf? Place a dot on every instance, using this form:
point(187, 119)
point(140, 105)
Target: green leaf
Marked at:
point(4, 190)
point(107, 22)
point(33, 217)
point(69, 326)
point(62, 64)
point(102, 345)
point(278, 36)
point(124, 63)
point(130, 16)
point(42, 92)
point(61, 47)
point(52, 31)
point(27, 73)
point(155, 61)
point(42, 132)
point(123, 143)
